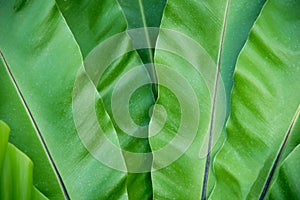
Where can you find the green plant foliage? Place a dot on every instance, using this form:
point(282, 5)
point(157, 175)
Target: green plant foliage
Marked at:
point(285, 186)
point(50, 57)
point(264, 100)
point(194, 19)
point(72, 73)
point(138, 185)
point(285, 181)
point(25, 136)
point(15, 171)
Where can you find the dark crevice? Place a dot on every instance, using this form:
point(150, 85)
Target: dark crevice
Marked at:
point(146, 55)
point(275, 164)
point(36, 127)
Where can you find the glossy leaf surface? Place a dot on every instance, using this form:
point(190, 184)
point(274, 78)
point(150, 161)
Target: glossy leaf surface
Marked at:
point(25, 137)
point(16, 171)
point(108, 112)
point(138, 185)
point(286, 178)
point(204, 22)
point(264, 100)
point(52, 60)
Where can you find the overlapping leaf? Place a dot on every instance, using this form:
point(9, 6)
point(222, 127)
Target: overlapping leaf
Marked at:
point(16, 178)
point(89, 29)
point(44, 59)
point(25, 136)
point(197, 40)
point(264, 100)
point(204, 22)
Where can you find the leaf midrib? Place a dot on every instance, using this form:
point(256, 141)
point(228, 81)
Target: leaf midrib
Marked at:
point(208, 157)
point(278, 156)
point(151, 57)
point(35, 126)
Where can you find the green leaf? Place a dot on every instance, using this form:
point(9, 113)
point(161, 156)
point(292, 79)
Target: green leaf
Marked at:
point(25, 136)
point(138, 185)
point(88, 34)
point(16, 171)
point(198, 57)
point(88, 30)
point(140, 14)
point(103, 118)
point(90, 22)
point(44, 59)
point(241, 16)
point(264, 100)
point(4, 129)
point(286, 184)
point(285, 179)
point(84, 109)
